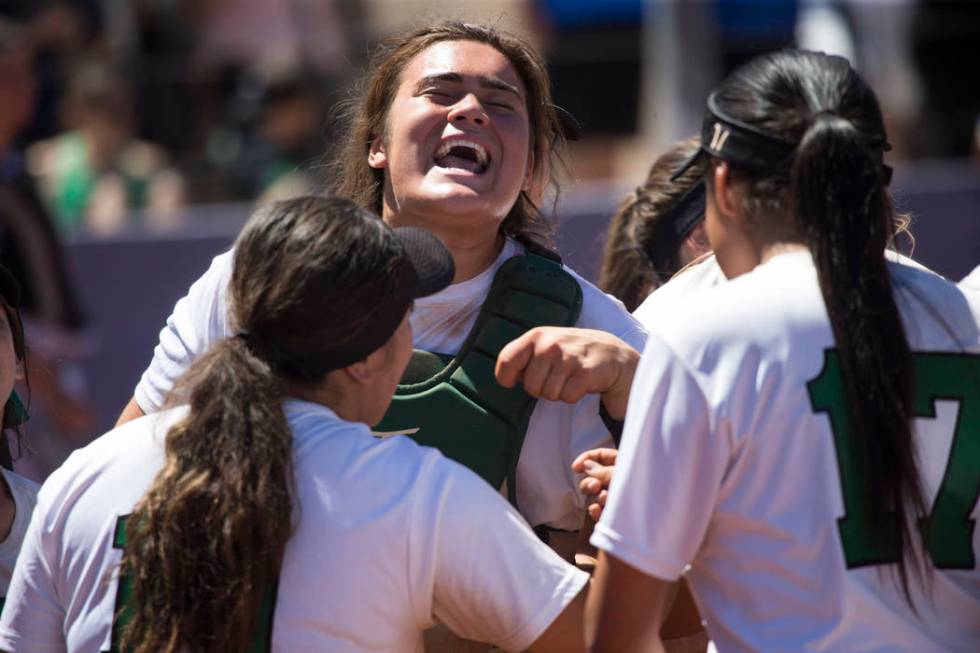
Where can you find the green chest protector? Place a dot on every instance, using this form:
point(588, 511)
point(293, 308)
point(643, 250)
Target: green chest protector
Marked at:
point(455, 403)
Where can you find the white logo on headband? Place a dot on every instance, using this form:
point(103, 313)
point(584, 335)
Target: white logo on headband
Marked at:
point(721, 135)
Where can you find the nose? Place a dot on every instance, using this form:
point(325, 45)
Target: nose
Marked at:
point(468, 109)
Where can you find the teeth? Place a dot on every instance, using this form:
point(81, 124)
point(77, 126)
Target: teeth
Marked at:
point(481, 154)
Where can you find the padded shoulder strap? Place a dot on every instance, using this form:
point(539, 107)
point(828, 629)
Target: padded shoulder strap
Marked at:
point(456, 404)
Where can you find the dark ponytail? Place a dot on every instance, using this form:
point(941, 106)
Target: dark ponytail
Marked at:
point(209, 536)
point(844, 216)
point(831, 194)
point(205, 544)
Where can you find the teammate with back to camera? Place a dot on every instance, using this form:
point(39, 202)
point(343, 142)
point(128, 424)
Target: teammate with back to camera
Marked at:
point(657, 230)
point(815, 419)
point(17, 494)
point(264, 515)
point(455, 131)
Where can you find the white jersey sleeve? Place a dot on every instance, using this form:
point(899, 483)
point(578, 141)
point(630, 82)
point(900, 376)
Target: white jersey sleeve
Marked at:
point(199, 319)
point(671, 451)
point(33, 618)
point(492, 580)
point(24, 493)
point(972, 280)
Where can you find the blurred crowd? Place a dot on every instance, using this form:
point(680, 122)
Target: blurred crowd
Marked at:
point(118, 115)
point(124, 112)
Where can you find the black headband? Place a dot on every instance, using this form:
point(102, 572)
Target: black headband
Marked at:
point(743, 144)
point(671, 229)
point(737, 142)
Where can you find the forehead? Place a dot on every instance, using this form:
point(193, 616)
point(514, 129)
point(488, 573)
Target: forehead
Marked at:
point(465, 58)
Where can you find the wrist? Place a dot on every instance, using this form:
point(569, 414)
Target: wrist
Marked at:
point(616, 397)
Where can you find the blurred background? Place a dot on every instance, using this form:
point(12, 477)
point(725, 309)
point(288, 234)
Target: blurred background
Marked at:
point(136, 136)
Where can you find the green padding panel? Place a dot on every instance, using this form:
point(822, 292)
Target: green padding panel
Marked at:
point(530, 309)
point(466, 433)
point(422, 366)
point(493, 396)
point(497, 333)
point(456, 405)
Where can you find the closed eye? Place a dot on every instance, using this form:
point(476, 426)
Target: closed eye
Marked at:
point(439, 93)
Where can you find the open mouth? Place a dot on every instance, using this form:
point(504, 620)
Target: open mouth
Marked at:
point(461, 154)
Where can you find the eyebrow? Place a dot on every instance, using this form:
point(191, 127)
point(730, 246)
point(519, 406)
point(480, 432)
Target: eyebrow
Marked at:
point(485, 81)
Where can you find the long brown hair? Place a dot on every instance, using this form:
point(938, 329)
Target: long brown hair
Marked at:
point(832, 195)
point(207, 540)
point(367, 116)
point(627, 271)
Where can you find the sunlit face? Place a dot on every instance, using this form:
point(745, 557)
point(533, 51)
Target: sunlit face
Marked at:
point(11, 368)
point(456, 152)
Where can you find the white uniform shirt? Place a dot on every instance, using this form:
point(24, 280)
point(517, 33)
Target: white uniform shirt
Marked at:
point(726, 466)
point(557, 432)
point(688, 283)
point(24, 493)
point(972, 280)
point(391, 536)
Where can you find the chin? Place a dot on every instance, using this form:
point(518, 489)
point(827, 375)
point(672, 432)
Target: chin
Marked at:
point(461, 201)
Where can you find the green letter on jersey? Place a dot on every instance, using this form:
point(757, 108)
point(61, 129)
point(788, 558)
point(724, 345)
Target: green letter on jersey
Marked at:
point(261, 640)
point(948, 530)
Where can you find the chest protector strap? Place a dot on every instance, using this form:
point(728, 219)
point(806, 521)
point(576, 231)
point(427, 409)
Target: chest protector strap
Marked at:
point(455, 403)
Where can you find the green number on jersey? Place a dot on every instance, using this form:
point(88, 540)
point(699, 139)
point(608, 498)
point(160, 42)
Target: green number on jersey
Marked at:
point(260, 642)
point(948, 530)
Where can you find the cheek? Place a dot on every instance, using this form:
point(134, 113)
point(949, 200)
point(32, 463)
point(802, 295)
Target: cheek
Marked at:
point(10, 368)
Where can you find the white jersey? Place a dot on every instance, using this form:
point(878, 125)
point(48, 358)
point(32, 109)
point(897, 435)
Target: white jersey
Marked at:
point(972, 280)
point(557, 432)
point(390, 537)
point(729, 464)
point(24, 493)
point(689, 282)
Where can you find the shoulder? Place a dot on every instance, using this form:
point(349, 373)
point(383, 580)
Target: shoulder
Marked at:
point(937, 313)
point(348, 456)
point(600, 310)
point(606, 313)
point(688, 283)
point(757, 319)
point(219, 272)
point(972, 280)
point(117, 462)
point(23, 490)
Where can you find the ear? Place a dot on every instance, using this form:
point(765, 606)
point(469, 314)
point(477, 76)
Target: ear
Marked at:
point(365, 370)
point(376, 154)
point(724, 192)
point(697, 239)
point(361, 372)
